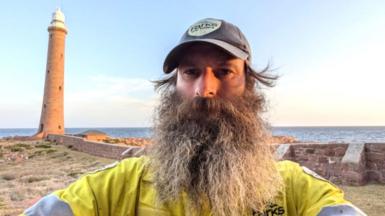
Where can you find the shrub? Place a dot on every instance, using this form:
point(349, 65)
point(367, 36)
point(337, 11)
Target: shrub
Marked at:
point(74, 174)
point(111, 141)
point(16, 149)
point(8, 176)
point(2, 204)
point(23, 145)
point(17, 196)
point(51, 151)
point(37, 153)
point(34, 179)
point(42, 146)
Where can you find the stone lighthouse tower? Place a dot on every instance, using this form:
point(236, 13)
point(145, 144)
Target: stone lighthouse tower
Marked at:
point(52, 112)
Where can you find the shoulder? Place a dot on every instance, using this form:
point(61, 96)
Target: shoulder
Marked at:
point(124, 167)
point(114, 183)
point(134, 163)
point(293, 169)
point(286, 164)
point(288, 168)
point(101, 182)
point(311, 194)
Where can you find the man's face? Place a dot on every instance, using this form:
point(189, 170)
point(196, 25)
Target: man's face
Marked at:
point(207, 71)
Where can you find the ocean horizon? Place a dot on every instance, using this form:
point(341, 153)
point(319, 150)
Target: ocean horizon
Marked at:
point(339, 134)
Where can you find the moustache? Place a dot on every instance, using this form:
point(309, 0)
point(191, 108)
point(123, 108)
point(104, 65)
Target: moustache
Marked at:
point(202, 108)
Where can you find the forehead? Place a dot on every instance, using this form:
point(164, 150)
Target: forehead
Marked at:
point(204, 51)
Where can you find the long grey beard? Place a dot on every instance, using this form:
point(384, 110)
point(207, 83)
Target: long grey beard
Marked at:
point(216, 151)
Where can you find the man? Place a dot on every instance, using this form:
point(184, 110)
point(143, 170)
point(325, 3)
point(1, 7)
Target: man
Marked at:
point(211, 154)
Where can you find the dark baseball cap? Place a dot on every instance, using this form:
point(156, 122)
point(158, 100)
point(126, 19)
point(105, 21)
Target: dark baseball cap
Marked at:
point(213, 31)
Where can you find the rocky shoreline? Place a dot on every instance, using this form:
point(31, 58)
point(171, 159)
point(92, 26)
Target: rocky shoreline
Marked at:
point(132, 141)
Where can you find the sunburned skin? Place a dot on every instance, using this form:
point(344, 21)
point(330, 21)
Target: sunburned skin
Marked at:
point(208, 71)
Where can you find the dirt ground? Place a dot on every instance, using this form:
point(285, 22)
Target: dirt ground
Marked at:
point(31, 169)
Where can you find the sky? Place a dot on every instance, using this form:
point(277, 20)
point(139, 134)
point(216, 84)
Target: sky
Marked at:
point(329, 55)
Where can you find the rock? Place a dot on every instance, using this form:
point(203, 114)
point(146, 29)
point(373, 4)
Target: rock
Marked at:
point(283, 140)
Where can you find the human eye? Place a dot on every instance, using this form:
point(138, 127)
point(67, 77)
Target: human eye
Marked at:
point(224, 72)
point(190, 72)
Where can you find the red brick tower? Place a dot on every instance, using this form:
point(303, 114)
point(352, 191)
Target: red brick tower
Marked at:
point(52, 113)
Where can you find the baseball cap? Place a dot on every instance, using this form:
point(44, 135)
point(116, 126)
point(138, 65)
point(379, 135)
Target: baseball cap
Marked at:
point(213, 31)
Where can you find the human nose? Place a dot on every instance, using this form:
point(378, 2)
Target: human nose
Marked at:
point(207, 85)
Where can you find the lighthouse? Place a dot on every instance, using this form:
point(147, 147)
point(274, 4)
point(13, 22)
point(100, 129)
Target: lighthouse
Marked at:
point(52, 112)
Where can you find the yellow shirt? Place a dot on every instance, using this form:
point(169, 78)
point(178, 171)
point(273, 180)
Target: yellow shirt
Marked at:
point(126, 188)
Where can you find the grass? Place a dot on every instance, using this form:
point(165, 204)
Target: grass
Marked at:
point(2, 204)
point(49, 151)
point(369, 198)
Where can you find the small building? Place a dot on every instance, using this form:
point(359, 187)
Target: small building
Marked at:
point(93, 135)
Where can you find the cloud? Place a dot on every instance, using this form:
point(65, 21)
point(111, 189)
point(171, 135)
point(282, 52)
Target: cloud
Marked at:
point(98, 101)
point(108, 101)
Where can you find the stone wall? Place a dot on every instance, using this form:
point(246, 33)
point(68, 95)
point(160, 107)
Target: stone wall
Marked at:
point(100, 149)
point(324, 159)
point(351, 164)
point(375, 162)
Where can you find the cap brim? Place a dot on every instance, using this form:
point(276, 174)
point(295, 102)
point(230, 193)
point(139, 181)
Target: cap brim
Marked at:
point(173, 57)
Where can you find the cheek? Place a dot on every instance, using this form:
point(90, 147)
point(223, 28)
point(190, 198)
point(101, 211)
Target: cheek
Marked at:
point(234, 87)
point(185, 89)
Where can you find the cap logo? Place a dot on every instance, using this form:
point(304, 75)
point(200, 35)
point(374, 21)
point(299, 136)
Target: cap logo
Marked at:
point(204, 27)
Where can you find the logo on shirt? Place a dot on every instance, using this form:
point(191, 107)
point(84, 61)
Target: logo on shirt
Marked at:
point(271, 210)
point(204, 27)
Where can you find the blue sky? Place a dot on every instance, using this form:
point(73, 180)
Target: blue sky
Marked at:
point(330, 55)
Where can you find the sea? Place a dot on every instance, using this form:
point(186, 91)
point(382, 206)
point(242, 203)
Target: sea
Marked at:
point(367, 134)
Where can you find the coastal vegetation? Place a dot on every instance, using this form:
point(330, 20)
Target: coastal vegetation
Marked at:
point(32, 169)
